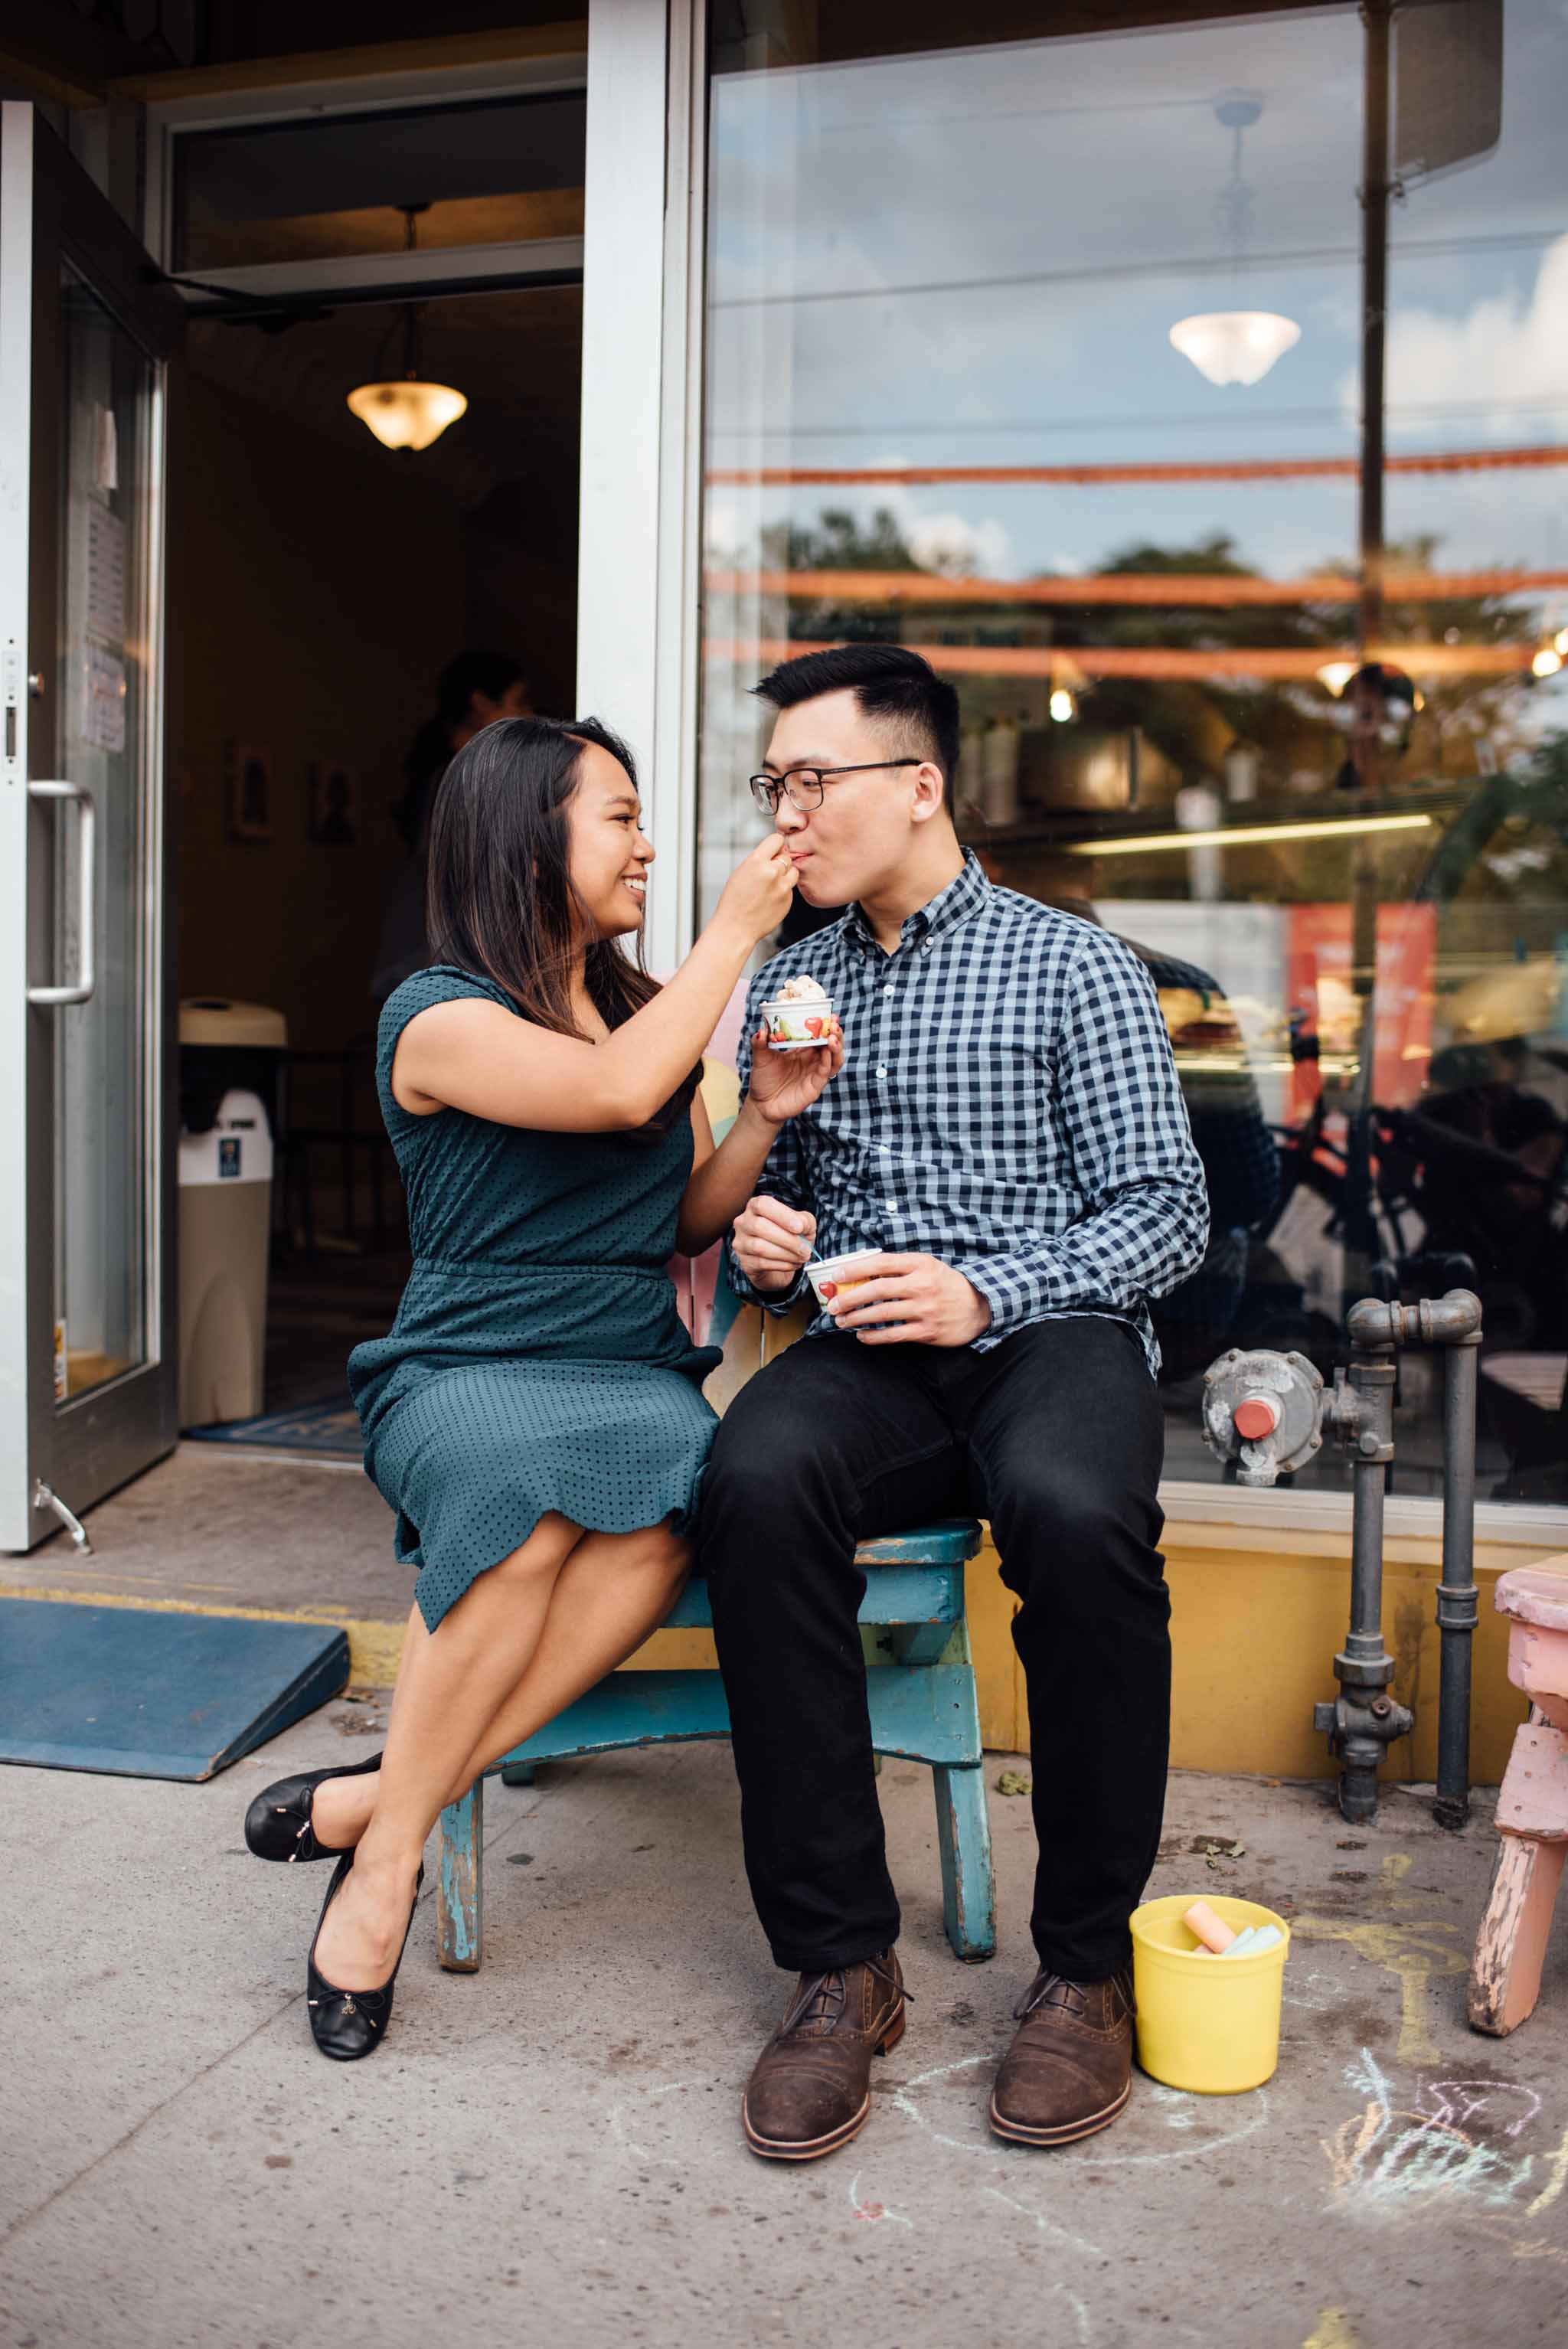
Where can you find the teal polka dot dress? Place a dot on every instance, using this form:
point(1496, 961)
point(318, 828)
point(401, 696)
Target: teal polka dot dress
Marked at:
point(537, 1361)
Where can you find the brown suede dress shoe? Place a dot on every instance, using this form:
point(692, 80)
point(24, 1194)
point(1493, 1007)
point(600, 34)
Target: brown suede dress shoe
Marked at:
point(810, 2091)
point(1068, 2071)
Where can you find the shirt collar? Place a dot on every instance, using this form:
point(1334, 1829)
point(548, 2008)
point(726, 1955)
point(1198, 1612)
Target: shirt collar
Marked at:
point(965, 895)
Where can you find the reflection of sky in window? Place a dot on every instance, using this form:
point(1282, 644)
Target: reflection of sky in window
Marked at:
point(1086, 172)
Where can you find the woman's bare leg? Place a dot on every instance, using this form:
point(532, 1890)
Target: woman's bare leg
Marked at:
point(450, 1687)
point(614, 1590)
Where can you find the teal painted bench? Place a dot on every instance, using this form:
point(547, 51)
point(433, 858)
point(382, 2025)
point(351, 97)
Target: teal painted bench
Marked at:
point(922, 1708)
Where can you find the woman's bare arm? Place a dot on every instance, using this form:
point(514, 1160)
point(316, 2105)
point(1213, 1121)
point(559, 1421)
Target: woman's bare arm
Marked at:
point(722, 1179)
point(474, 1056)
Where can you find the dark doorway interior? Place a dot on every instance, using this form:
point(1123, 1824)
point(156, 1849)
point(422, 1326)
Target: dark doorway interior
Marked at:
point(329, 582)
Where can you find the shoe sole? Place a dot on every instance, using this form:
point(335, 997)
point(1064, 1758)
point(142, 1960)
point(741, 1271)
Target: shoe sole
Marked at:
point(813, 2149)
point(1019, 2133)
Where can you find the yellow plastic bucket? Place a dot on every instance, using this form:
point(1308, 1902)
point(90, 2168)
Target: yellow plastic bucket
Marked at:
point(1206, 2023)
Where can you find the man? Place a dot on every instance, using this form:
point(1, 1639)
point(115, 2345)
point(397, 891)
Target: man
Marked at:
point(1007, 1127)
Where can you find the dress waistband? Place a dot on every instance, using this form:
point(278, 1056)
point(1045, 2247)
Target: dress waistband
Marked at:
point(467, 1269)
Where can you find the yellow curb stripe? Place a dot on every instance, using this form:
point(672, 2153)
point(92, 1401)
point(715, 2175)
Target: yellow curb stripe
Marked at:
point(374, 1649)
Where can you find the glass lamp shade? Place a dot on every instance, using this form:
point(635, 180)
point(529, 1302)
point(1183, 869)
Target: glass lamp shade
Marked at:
point(407, 414)
point(1234, 346)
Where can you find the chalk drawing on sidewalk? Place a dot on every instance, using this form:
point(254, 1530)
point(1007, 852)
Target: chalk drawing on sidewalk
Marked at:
point(875, 2213)
point(1311, 1988)
point(1332, 2330)
point(1416, 1953)
point(1182, 2113)
point(1455, 2140)
point(622, 2123)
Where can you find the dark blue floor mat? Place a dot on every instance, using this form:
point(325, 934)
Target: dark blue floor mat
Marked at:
point(309, 1427)
point(150, 1693)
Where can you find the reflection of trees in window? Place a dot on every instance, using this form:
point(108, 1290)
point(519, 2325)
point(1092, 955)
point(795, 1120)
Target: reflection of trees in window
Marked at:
point(1470, 724)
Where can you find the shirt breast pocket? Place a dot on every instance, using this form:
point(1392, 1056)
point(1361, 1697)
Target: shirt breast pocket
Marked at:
point(1002, 1122)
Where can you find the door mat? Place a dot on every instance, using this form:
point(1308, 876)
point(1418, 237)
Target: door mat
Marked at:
point(154, 1694)
point(311, 1427)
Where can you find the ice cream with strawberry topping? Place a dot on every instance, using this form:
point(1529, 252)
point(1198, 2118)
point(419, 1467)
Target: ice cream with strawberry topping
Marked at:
point(799, 1017)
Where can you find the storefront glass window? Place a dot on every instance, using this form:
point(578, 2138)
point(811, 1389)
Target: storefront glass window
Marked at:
point(1045, 353)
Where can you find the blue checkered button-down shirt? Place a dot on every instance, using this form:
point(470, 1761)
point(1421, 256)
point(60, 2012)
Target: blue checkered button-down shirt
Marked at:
point(1008, 1102)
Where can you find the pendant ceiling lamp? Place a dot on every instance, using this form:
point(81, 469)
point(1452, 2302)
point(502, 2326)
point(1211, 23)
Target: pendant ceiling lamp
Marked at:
point(1236, 345)
point(405, 412)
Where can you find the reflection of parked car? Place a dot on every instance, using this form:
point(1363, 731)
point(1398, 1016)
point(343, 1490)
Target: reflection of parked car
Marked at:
point(1240, 1161)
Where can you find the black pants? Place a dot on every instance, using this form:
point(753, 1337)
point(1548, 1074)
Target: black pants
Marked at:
point(1057, 1436)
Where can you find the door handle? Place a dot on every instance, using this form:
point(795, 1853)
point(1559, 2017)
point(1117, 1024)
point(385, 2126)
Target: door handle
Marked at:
point(86, 976)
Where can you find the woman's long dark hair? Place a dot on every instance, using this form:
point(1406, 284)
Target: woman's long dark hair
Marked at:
point(501, 898)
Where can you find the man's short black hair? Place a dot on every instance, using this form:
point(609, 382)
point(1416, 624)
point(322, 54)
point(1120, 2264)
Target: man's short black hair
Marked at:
point(888, 682)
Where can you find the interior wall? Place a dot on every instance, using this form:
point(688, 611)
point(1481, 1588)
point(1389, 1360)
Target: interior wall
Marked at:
point(521, 551)
point(325, 594)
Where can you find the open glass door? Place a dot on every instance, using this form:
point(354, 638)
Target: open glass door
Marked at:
point(88, 329)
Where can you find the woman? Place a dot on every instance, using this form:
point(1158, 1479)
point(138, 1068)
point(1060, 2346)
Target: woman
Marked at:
point(534, 1417)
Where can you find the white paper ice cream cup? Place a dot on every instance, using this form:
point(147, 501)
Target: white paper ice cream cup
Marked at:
point(840, 1271)
point(788, 1025)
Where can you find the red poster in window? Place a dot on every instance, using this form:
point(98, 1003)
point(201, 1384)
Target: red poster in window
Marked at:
point(1402, 1017)
point(1322, 1003)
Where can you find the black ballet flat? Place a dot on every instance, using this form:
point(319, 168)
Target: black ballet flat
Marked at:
point(349, 2024)
point(277, 1825)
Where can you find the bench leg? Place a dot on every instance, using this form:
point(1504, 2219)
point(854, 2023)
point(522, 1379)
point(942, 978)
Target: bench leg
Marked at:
point(968, 1880)
point(460, 1888)
point(1505, 1979)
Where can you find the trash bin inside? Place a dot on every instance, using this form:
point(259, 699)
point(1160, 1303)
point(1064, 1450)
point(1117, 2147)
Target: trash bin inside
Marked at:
point(226, 1149)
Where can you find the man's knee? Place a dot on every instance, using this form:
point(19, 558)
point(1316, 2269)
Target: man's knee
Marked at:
point(774, 1470)
point(1074, 1529)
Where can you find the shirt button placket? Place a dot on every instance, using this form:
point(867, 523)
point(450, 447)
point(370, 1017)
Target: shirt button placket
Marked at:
point(888, 992)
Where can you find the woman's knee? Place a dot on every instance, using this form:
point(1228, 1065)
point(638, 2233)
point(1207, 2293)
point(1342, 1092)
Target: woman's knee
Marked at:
point(539, 1558)
point(664, 1558)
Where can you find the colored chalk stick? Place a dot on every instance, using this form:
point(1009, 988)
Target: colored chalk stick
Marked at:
point(1207, 1927)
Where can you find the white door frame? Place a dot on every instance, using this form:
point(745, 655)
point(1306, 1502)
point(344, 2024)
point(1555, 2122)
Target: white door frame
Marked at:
point(86, 1445)
point(639, 553)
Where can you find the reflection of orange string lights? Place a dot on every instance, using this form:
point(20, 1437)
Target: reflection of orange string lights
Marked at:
point(1144, 661)
point(1219, 589)
point(1254, 469)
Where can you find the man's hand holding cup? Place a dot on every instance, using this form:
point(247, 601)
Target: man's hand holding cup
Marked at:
point(908, 1301)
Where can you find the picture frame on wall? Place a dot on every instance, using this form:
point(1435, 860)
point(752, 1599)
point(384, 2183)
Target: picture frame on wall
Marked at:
point(247, 790)
point(329, 804)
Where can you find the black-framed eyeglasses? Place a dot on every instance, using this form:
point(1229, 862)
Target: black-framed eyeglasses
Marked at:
point(803, 785)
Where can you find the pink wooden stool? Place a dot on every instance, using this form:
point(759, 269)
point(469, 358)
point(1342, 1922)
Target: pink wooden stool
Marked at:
point(1532, 1806)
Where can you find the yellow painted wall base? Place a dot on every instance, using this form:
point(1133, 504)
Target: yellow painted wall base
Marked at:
point(1254, 1638)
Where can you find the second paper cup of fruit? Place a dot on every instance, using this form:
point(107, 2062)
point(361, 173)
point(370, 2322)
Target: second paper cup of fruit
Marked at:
point(840, 1272)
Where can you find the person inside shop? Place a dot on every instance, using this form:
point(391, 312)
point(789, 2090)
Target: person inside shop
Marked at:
point(534, 1418)
point(472, 691)
point(1009, 1135)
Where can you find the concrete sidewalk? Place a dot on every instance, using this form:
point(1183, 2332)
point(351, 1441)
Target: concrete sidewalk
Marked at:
point(550, 2151)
